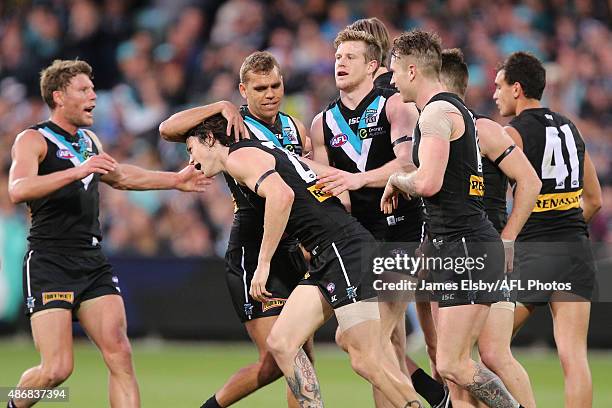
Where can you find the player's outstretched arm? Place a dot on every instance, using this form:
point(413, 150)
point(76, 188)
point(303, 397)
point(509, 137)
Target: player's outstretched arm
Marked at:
point(24, 182)
point(130, 177)
point(403, 118)
point(591, 193)
point(497, 146)
point(255, 169)
point(176, 126)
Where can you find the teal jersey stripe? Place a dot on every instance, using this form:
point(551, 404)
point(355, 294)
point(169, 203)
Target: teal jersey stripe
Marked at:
point(346, 129)
point(67, 144)
point(285, 123)
point(263, 129)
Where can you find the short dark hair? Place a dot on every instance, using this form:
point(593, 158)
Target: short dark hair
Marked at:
point(372, 52)
point(57, 77)
point(378, 30)
point(424, 46)
point(454, 71)
point(527, 70)
point(215, 125)
point(259, 62)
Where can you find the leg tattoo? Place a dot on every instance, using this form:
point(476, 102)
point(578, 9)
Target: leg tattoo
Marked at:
point(304, 384)
point(490, 389)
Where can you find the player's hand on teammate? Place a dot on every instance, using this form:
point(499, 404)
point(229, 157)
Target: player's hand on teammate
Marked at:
point(258, 283)
point(388, 201)
point(192, 180)
point(338, 181)
point(235, 123)
point(509, 255)
point(101, 163)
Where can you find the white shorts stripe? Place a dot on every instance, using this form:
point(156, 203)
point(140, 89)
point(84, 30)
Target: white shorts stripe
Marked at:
point(28, 276)
point(244, 273)
point(348, 282)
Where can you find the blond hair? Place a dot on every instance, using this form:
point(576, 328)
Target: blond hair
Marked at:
point(373, 51)
point(378, 30)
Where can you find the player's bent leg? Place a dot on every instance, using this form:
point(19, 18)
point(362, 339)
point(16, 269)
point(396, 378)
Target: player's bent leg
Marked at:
point(103, 319)
point(494, 347)
point(458, 329)
point(360, 325)
point(52, 333)
point(571, 325)
point(522, 312)
point(304, 312)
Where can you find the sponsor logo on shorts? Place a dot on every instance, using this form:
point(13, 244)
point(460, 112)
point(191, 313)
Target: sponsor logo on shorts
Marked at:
point(64, 154)
point(318, 193)
point(331, 287)
point(338, 140)
point(272, 303)
point(476, 186)
point(53, 296)
point(334, 298)
point(248, 310)
point(306, 275)
point(558, 201)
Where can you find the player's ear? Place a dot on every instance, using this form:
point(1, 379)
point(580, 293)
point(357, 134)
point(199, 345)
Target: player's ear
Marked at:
point(58, 98)
point(517, 89)
point(242, 89)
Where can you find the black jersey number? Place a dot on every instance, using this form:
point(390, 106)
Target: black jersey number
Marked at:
point(554, 153)
point(306, 174)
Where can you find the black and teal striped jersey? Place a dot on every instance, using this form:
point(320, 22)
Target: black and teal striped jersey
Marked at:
point(248, 224)
point(556, 150)
point(317, 219)
point(68, 217)
point(458, 208)
point(360, 140)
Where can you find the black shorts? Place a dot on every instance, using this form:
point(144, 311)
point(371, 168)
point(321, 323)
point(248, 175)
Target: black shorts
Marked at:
point(340, 270)
point(287, 269)
point(548, 267)
point(395, 228)
point(53, 280)
point(467, 270)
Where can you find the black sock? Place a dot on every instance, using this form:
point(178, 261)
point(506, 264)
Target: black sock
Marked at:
point(427, 387)
point(211, 403)
point(10, 404)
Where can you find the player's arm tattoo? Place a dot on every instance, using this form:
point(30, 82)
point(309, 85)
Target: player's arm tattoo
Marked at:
point(489, 388)
point(304, 383)
point(405, 182)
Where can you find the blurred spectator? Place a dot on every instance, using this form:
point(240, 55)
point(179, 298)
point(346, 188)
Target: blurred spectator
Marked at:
point(151, 59)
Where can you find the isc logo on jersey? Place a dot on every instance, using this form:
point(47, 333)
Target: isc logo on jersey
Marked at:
point(64, 154)
point(338, 140)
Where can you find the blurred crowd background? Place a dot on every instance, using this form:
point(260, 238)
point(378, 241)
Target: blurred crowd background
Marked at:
point(153, 58)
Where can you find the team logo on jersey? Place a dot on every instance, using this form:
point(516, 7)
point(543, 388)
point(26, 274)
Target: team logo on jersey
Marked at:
point(558, 201)
point(476, 186)
point(371, 116)
point(290, 134)
point(338, 140)
point(53, 296)
point(64, 154)
point(272, 303)
point(317, 191)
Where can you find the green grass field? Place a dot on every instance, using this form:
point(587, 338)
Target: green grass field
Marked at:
point(184, 375)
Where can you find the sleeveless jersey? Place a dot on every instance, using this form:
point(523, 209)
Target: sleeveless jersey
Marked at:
point(458, 207)
point(316, 218)
point(360, 140)
point(248, 224)
point(555, 149)
point(68, 217)
point(495, 187)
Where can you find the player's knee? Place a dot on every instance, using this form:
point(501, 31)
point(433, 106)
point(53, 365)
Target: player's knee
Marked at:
point(448, 368)
point(364, 363)
point(57, 372)
point(279, 345)
point(118, 355)
point(496, 358)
